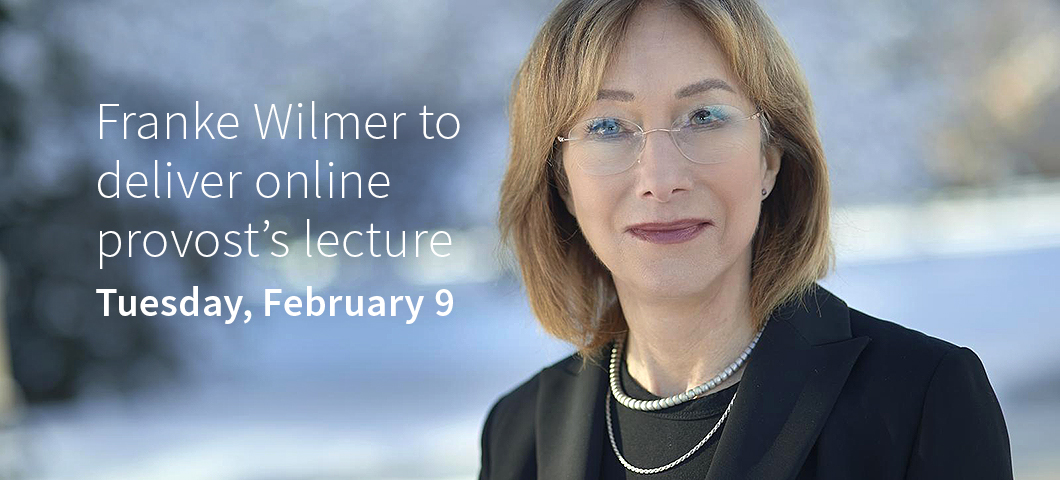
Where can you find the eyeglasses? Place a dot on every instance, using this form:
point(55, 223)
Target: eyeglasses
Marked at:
point(610, 145)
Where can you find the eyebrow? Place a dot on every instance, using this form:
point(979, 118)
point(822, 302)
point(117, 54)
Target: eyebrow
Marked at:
point(698, 87)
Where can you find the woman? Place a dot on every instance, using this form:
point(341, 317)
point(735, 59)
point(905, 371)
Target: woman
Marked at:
point(667, 200)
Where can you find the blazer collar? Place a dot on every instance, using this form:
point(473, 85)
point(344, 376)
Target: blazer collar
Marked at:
point(789, 386)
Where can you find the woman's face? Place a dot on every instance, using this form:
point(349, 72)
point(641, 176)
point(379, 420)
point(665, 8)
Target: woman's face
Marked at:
point(662, 55)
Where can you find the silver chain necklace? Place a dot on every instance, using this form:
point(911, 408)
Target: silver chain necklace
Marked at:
point(665, 403)
point(646, 471)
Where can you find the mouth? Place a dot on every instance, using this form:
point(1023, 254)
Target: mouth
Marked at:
point(677, 231)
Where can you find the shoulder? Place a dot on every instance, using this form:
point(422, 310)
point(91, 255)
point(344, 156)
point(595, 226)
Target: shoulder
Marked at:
point(508, 432)
point(928, 395)
point(519, 402)
point(899, 351)
point(890, 338)
point(920, 394)
point(888, 386)
point(907, 360)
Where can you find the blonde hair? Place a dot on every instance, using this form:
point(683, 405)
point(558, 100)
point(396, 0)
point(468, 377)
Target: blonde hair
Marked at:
point(571, 293)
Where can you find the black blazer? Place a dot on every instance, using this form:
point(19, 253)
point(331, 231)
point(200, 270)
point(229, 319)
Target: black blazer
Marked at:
point(828, 392)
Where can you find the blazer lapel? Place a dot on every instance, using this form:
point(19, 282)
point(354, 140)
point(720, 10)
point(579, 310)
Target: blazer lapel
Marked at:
point(790, 384)
point(793, 378)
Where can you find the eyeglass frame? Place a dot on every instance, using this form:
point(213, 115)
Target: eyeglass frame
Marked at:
point(644, 133)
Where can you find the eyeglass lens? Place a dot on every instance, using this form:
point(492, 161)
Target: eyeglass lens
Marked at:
point(609, 145)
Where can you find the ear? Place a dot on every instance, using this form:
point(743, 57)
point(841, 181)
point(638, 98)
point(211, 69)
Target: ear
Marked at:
point(770, 167)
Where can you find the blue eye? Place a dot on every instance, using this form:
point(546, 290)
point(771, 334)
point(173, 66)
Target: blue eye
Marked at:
point(603, 127)
point(714, 116)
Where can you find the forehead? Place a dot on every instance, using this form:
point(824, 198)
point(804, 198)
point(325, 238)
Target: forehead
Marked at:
point(663, 51)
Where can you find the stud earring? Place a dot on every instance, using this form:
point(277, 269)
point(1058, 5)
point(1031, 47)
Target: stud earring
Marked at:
point(763, 191)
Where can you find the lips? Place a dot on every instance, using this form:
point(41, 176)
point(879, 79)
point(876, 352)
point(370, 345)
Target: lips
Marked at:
point(677, 231)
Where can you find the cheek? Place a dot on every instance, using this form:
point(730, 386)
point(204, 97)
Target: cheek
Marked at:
point(738, 178)
point(736, 181)
point(596, 204)
point(736, 185)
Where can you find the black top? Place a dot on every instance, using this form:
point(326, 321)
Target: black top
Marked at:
point(653, 439)
point(828, 392)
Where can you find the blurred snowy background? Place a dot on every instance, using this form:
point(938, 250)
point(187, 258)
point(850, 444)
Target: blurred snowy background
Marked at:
point(940, 121)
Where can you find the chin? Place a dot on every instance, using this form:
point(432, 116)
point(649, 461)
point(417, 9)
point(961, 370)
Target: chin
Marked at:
point(675, 281)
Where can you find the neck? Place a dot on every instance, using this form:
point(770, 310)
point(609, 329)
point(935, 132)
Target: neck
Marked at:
point(678, 343)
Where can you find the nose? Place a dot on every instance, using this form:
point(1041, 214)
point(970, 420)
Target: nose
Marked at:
point(662, 171)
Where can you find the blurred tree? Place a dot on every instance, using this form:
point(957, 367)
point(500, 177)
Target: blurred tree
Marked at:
point(60, 345)
point(997, 66)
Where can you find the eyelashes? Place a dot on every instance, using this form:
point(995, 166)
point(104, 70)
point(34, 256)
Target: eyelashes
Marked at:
point(703, 116)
